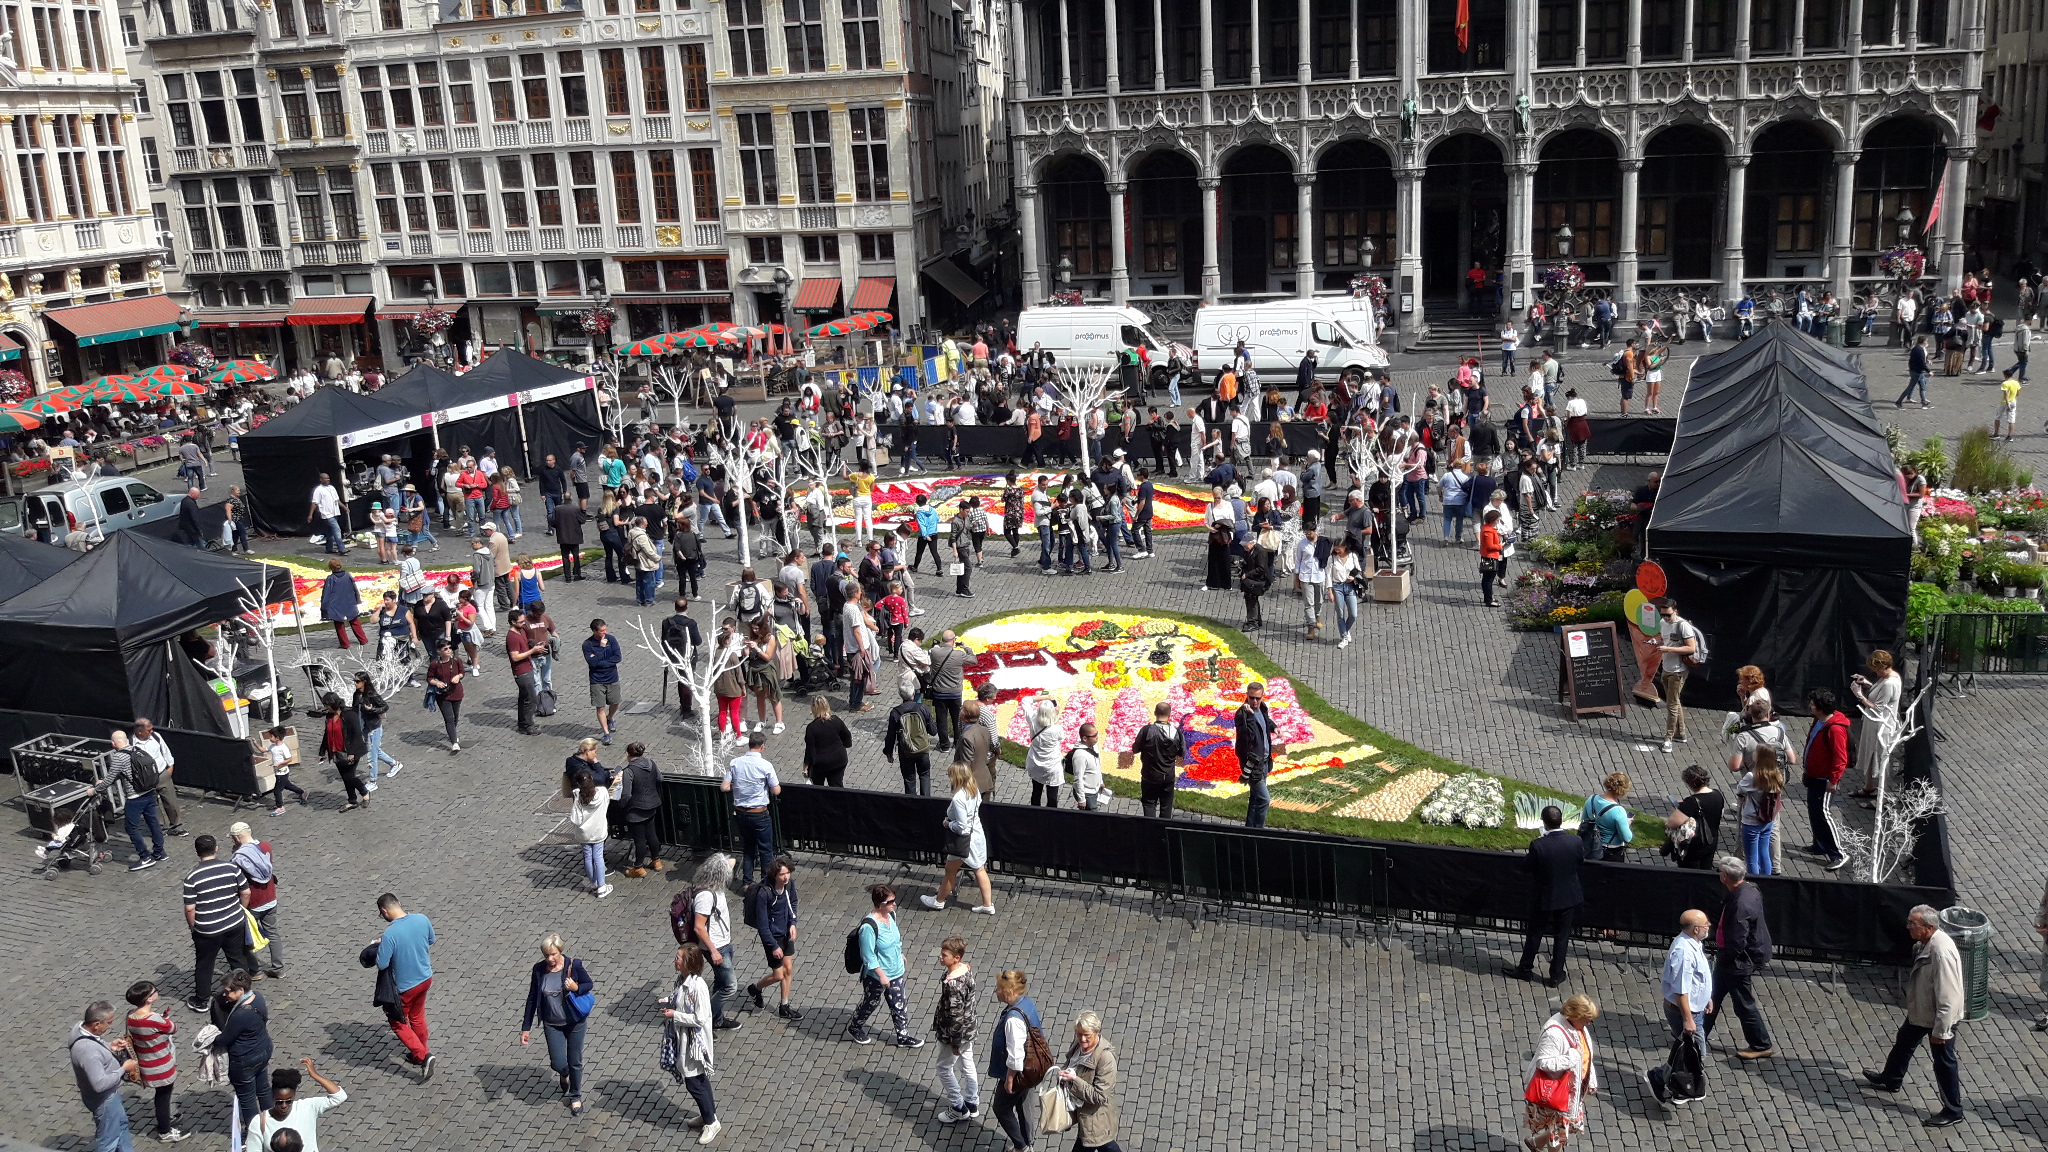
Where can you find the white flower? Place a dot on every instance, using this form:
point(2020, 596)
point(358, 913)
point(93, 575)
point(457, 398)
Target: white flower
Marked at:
point(1471, 799)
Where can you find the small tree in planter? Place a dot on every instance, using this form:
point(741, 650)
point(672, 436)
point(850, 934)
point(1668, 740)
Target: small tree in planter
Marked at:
point(717, 661)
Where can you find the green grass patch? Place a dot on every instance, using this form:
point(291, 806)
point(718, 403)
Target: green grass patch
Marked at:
point(1403, 756)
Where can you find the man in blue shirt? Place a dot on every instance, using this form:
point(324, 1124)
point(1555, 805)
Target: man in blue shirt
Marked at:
point(404, 952)
point(601, 652)
point(1916, 373)
point(1688, 987)
point(751, 780)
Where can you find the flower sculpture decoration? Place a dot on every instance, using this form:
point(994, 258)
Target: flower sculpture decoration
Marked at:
point(599, 320)
point(433, 321)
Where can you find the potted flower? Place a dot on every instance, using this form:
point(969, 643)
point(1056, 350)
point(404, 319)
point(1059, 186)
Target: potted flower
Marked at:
point(2028, 579)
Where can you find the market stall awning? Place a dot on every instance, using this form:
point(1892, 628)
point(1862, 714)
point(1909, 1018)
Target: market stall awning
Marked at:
point(818, 294)
point(676, 298)
point(953, 280)
point(267, 318)
point(118, 319)
point(873, 292)
point(330, 309)
point(9, 350)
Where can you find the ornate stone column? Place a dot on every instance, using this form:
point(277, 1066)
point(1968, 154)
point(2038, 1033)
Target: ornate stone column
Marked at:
point(1305, 234)
point(1731, 252)
point(1521, 231)
point(1212, 272)
point(1841, 247)
point(1954, 188)
point(1625, 275)
point(1110, 45)
point(1407, 259)
point(1119, 247)
point(1027, 224)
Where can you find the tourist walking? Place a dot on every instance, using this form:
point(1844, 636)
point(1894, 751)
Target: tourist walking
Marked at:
point(100, 1065)
point(1762, 794)
point(588, 805)
point(1018, 1057)
point(1687, 985)
point(863, 651)
point(372, 707)
point(750, 778)
point(444, 689)
point(1492, 557)
point(1675, 661)
point(243, 1018)
point(772, 911)
point(1553, 866)
point(1258, 746)
point(907, 739)
point(561, 994)
point(953, 1028)
point(640, 793)
point(342, 744)
point(151, 742)
point(711, 930)
point(980, 745)
point(1744, 940)
point(124, 762)
point(150, 1030)
point(1934, 1006)
point(1043, 761)
point(602, 655)
point(289, 1112)
point(253, 857)
point(1088, 1073)
point(1692, 831)
point(341, 604)
point(216, 902)
point(826, 739)
point(966, 844)
point(1560, 1076)
point(881, 971)
point(1611, 829)
point(405, 950)
point(1161, 748)
point(686, 1041)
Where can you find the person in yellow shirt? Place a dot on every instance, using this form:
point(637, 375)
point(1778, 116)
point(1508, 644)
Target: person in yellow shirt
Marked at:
point(2009, 404)
point(863, 504)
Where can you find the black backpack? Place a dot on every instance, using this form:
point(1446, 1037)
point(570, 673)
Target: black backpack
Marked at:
point(853, 961)
point(747, 915)
point(749, 599)
point(143, 771)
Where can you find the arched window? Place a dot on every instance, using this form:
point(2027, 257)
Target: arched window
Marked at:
point(1077, 207)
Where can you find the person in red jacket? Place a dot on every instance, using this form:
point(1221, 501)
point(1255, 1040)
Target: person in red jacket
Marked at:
point(1827, 759)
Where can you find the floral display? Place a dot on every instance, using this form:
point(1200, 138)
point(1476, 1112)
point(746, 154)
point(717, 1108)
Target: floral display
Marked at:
point(1580, 574)
point(1369, 287)
point(599, 320)
point(192, 355)
point(1173, 505)
point(1563, 278)
point(432, 320)
point(1902, 264)
point(1112, 667)
point(1471, 799)
point(1067, 298)
point(371, 586)
point(14, 386)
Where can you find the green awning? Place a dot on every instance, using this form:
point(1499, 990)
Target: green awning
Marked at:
point(9, 350)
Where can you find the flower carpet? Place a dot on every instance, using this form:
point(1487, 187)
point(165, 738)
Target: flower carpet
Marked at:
point(1336, 774)
point(1173, 505)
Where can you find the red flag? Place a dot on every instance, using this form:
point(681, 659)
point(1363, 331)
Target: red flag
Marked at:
point(1934, 210)
point(1464, 25)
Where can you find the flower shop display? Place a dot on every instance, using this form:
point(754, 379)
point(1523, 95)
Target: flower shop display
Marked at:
point(1580, 574)
point(1471, 799)
point(14, 386)
point(1336, 774)
point(1902, 264)
point(599, 320)
point(1173, 505)
point(1563, 279)
point(432, 320)
point(1369, 286)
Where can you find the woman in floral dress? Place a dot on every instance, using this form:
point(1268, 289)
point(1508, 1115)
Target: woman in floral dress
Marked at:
point(1014, 503)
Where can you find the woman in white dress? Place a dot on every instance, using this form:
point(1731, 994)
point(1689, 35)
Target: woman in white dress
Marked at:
point(965, 842)
point(1877, 697)
point(1042, 760)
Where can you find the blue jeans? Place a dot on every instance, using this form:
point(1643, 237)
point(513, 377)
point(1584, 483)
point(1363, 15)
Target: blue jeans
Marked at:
point(1916, 380)
point(1173, 389)
point(1454, 514)
point(1412, 498)
point(1507, 362)
point(1255, 807)
point(1756, 848)
point(1044, 550)
point(473, 507)
point(593, 864)
point(909, 458)
point(721, 983)
point(376, 754)
point(544, 675)
point(142, 810)
point(757, 842)
point(549, 500)
point(565, 1053)
point(110, 1125)
point(1347, 609)
point(1069, 549)
point(646, 584)
point(333, 542)
point(1108, 532)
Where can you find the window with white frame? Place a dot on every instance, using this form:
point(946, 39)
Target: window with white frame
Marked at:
point(811, 133)
point(755, 132)
point(870, 132)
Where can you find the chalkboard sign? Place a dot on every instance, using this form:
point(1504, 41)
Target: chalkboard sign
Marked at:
point(1589, 671)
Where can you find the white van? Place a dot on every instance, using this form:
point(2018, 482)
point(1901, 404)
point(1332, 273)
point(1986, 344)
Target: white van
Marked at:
point(1279, 333)
point(1091, 335)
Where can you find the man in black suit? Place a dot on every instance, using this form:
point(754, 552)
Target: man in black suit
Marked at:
point(1554, 863)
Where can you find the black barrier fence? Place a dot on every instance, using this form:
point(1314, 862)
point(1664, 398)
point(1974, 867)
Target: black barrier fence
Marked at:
point(1827, 920)
point(1993, 643)
point(206, 762)
point(1631, 435)
point(1006, 442)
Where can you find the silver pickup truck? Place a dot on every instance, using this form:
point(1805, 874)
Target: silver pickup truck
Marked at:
point(96, 507)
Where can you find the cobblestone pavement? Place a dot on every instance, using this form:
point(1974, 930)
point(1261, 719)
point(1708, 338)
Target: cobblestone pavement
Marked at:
point(1233, 1030)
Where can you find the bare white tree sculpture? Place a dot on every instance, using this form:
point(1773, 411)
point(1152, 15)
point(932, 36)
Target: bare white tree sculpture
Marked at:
point(736, 462)
point(1889, 844)
point(722, 658)
point(812, 468)
point(264, 627)
point(1369, 460)
point(1080, 392)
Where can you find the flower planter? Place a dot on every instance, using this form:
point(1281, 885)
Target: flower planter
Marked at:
point(2032, 593)
point(1391, 587)
point(2009, 592)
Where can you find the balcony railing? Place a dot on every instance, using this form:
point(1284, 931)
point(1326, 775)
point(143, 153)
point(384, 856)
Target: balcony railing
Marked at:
point(589, 237)
point(468, 139)
point(576, 131)
point(505, 135)
point(816, 219)
point(377, 143)
point(480, 243)
point(657, 127)
point(551, 240)
point(437, 139)
point(519, 240)
point(540, 132)
point(314, 253)
point(86, 235)
point(270, 259)
point(710, 236)
point(419, 245)
point(348, 252)
point(10, 242)
point(632, 236)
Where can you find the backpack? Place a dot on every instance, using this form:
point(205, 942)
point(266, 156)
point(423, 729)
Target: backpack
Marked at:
point(747, 915)
point(853, 961)
point(682, 915)
point(1037, 1057)
point(142, 770)
point(1067, 762)
point(1589, 830)
point(749, 599)
point(1614, 366)
point(1699, 656)
point(916, 740)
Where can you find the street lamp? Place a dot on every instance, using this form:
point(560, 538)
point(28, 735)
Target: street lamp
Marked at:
point(1066, 270)
point(601, 338)
point(1367, 250)
point(1905, 225)
point(1564, 241)
point(783, 280)
point(1562, 302)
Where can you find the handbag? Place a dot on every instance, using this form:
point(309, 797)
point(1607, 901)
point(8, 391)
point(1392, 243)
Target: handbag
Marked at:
point(581, 1001)
point(956, 568)
point(1553, 1090)
point(1053, 1114)
point(1489, 566)
point(958, 844)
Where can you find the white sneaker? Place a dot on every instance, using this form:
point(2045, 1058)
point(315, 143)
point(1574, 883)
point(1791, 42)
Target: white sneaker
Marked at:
point(455, 747)
point(370, 787)
point(395, 769)
point(930, 903)
point(1667, 745)
point(917, 611)
point(1345, 642)
point(984, 909)
point(777, 730)
point(710, 1132)
point(604, 891)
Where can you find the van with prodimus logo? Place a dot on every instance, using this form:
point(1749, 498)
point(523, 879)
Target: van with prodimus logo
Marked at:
point(1091, 336)
point(1278, 333)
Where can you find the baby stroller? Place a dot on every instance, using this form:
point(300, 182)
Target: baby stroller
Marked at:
point(78, 843)
point(811, 673)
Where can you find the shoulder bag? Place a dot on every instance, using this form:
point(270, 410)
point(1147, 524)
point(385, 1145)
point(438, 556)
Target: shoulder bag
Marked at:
point(583, 1000)
point(1053, 1114)
point(1552, 1090)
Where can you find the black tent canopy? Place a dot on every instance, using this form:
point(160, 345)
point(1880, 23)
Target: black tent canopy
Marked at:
point(282, 460)
point(468, 411)
point(97, 637)
point(25, 563)
point(558, 407)
point(1780, 523)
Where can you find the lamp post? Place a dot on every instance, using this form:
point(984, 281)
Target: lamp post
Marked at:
point(1562, 303)
point(1066, 270)
point(783, 280)
point(600, 341)
point(1903, 270)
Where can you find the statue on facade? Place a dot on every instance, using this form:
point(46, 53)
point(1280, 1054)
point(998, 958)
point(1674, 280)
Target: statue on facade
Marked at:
point(1522, 125)
point(10, 74)
point(1409, 112)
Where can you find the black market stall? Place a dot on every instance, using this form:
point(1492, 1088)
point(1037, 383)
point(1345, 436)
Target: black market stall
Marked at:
point(461, 412)
point(96, 644)
point(329, 431)
point(557, 407)
point(1780, 524)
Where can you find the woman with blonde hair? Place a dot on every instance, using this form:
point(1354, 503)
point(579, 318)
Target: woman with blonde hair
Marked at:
point(1042, 761)
point(1560, 1077)
point(1878, 700)
point(965, 842)
point(1088, 1072)
point(1762, 791)
point(587, 808)
point(559, 993)
point(760, 675)
point(686, 1040)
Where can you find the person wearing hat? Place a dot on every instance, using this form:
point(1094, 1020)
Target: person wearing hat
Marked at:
point(413, 520)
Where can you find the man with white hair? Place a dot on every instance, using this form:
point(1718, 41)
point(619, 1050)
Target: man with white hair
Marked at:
point(1934, 1006)
point(1745, 941)
point(1687, 985)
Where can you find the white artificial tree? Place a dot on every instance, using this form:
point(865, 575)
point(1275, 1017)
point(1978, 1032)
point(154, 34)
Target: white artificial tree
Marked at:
point(264, 627)
point(813, 468)
point(1080, 392)
point(732, 457)
point(721, 659)
point(1367, 460)
point(1889, 843)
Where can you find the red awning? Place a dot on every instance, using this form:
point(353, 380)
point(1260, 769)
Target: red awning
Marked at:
point(677, 298)
point(267, 319)
point(818, 294)
point(329, 309)
point(873, 293)
point(118, 319)
point(7, 344)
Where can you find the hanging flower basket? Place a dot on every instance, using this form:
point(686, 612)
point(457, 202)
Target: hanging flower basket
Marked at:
point(598, 321)
point(14, 386)
point(433, 321)
point(1903, 264)
point(1071, 298)
point(1371, 287)
point(192, 355)
point(1565, 278)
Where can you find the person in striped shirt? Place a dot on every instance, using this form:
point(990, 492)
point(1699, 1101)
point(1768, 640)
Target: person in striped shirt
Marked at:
point(216, 904)
point(156, 1054)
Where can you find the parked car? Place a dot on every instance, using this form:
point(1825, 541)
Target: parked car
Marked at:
point(96, 507)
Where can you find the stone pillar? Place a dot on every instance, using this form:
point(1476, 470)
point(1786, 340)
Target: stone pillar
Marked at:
point(1625, 275)
point(1208, 77)
point(1109, 31)
point(1731, 254)
point(1212, 272)
point(1407, 260)
point(1258, 61)
point(1067, 55)
point(1305, 40)
point(1842, 238)
point(1027, 224)
point(1305, 231)
point(1742, 29)
point(1521, 263)
point(1158, 47)
point(1119, 247)
point(1955, 186)
point(1352, 36)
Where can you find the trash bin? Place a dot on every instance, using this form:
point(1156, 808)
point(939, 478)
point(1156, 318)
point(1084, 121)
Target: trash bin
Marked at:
point(1972, 931)
point(1852, 336)
point(1834, 331)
